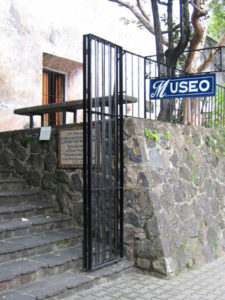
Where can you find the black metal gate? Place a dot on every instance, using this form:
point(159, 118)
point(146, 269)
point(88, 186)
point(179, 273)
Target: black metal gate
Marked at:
point(103, 147)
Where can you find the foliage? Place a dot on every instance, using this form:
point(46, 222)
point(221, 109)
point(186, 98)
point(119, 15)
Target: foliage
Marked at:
point(194, 180)
point(177, 30)
point(167, 135)
point(64, 242)
point(178, 26)
point(208, 141)
point(151, 135)
point(189, 266)
point(216, 117)
point(220, 105)
point(206, 222)
point(192, 156)
point(217, 20)
point(24, 141)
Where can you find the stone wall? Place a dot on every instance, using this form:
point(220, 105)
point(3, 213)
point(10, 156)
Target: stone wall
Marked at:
point(174, 195)
point(37, 162)
point(174, 189)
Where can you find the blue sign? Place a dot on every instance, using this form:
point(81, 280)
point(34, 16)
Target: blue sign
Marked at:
point(186, 86)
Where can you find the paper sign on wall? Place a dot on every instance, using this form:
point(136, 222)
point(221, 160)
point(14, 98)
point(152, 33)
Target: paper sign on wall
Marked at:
point(45, 133)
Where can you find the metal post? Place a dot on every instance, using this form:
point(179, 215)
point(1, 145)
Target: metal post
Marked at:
point(85, 233)
point(121, 147)
point(31, 121)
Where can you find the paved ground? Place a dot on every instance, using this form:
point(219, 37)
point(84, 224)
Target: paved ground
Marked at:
point(205, 283)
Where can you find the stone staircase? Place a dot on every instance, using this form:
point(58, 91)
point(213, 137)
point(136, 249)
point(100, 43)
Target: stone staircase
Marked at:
point(40, 248)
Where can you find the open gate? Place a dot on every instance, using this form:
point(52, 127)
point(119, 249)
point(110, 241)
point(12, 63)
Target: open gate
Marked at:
point(113, 78)
point(103, 147)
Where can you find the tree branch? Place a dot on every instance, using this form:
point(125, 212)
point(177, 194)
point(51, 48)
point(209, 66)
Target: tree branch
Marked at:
point(173, 56)
point(211, 55)
point(138, 14)
point(158, 34)
point(197, 37)
point(170, 24)
point(201, 12)
point(162, 3)
point(172, 29)
point(142, 10)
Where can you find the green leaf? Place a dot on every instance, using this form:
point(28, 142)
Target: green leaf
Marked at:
point(167, 135)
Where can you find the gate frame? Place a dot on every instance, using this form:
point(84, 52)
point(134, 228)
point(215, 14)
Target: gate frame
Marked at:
point(87, 151)
point(87, 126)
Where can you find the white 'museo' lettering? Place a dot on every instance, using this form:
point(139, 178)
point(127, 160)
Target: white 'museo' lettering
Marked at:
point(160, 88)
point(204, 85)
point(192, 86)
point(183, 87)
point(173, 90)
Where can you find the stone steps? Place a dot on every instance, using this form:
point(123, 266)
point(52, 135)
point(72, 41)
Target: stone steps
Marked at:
point(25, 210)
point(10, 184)
point(64, 284)
point(16, 273)
point(5, 173)
point(33, 225)
point(27, 246)
point(40, 248)
point(19, 196)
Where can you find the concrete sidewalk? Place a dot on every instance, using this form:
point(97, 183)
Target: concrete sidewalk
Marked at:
point(205, 283)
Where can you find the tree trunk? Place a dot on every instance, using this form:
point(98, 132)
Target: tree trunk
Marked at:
point(158, 38)
point(191, 105)
point(172, 54)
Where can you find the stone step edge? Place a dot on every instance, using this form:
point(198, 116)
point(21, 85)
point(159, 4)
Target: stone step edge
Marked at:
point(28, 206)
point(23, 247)
point(12, 180)
point(15, 272)
point(67, 283)
point(25, 210)
point(18, 193)
point(5, 170)
point(26, 223)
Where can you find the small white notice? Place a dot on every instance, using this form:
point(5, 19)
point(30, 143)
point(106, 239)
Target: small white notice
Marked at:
point(45, 133)
point(25, 220)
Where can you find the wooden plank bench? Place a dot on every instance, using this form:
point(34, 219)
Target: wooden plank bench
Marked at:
point(67, 106)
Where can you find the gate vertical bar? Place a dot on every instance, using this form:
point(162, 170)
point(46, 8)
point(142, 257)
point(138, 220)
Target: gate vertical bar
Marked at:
point(115, 121)
point(85, 87)
point(89, 153)
point(87, 206)
point(121, 146)
point(145, 91)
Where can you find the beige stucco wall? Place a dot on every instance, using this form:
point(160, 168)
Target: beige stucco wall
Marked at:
point(30, 28)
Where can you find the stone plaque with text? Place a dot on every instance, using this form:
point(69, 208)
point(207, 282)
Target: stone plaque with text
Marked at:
point(71, 147)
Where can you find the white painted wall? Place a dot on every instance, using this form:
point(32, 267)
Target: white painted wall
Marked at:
point(29, 28)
